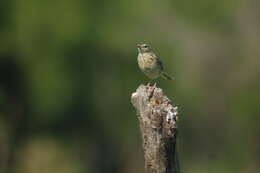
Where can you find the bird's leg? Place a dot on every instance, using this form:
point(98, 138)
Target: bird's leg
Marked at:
point(152, 88)
point(154, 85)
point(149, 84)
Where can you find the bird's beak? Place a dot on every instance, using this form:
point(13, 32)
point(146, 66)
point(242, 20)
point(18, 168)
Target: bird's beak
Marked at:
point(138, 46)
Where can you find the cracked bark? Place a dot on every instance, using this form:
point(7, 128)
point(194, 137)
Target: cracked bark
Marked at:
point(158, 124)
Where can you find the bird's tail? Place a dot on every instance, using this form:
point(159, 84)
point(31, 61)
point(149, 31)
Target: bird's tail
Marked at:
point(166, 76)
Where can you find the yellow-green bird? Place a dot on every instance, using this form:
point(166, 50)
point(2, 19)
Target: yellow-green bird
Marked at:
point(149, 63)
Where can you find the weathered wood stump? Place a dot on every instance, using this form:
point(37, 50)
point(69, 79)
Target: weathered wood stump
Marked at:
point(158, 124)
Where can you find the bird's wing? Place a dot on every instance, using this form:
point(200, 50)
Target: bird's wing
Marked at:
point(158, 61)
point(153, 57)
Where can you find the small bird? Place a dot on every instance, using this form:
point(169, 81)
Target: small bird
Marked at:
point(149, 63)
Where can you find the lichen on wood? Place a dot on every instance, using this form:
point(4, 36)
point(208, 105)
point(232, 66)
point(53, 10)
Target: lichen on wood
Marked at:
point(158, 124)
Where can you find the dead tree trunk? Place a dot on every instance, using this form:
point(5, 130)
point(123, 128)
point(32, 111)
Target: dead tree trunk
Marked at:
point(157, 121)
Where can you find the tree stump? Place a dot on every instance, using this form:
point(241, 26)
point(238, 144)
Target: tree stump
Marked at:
point(158, 124)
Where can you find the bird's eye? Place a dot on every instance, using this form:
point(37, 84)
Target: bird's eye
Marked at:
point(145, 46)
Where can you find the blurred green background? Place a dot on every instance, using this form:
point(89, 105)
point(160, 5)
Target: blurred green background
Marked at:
point(68, 68)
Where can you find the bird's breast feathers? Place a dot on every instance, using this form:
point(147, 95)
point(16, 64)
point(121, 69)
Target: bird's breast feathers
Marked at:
point(146, 62)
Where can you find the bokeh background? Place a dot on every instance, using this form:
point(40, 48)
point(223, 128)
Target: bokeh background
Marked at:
point(68, 68)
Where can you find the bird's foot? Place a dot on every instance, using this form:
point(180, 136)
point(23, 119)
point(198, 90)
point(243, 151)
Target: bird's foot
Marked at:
point(151, 89)
point(154, 85)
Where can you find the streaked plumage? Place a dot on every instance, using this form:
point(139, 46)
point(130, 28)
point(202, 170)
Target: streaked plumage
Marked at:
point(149, 63)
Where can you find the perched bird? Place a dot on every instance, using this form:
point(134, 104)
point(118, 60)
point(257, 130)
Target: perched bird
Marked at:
point(149, 63)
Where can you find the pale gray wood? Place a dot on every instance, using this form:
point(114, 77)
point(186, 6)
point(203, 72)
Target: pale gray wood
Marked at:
point(158, 124)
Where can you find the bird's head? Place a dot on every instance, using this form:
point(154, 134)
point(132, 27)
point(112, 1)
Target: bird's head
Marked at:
point(142, 48)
